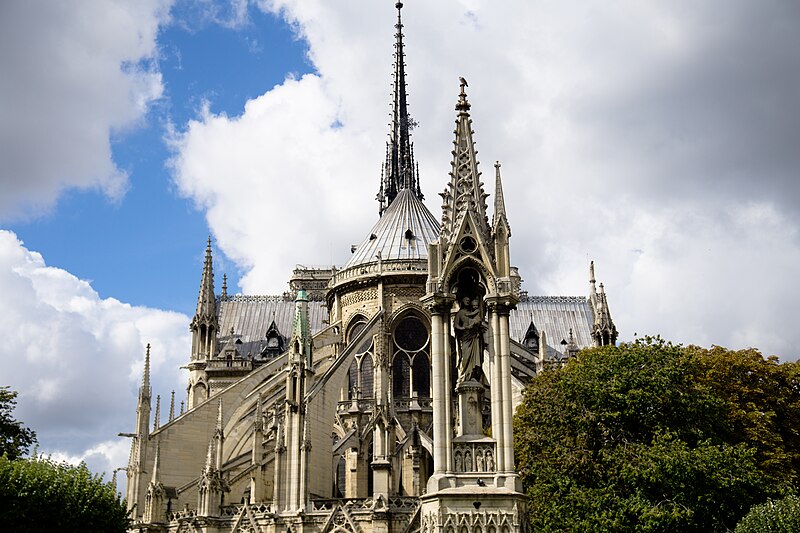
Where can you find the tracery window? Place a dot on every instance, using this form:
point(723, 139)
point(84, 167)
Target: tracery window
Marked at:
point(360, 375)
point(411, 364)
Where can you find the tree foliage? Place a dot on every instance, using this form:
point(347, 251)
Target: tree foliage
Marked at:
point(651, 436)
point(39, 494)
point(775, 516)
point(15, 439)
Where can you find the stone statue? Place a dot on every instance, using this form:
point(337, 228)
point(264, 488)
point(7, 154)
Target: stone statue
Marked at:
point(489, 462)
point(469, 328)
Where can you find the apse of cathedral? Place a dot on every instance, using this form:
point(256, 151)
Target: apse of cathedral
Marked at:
point(376, 396)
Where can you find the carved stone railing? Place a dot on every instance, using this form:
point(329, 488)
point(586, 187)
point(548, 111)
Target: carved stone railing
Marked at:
point(402, 405)
point(362, 406)
point(397, 504)
point(233, 364)
point(403, 504)
point(352, 504)
point(394, 266)
point(182, 514)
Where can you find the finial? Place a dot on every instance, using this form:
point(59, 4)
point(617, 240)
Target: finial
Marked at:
point(182, 406)
point(224, 286)
point(210, 455)
point(172, 407)
point(157, 461)
point(463, 104)
point(219, 415)
point(499, 201)
point(144, 391)
point(157, 417)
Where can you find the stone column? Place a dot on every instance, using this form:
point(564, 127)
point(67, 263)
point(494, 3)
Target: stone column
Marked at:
point(439, 395)
point(440, 352)
point(497, 383)
point(508, 407)
point(448, 387)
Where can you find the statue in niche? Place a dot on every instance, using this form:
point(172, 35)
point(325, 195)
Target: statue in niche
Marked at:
point(479, 465)
point(489, 462)
point(470, 327)
point(467, 461)
point(459, 465)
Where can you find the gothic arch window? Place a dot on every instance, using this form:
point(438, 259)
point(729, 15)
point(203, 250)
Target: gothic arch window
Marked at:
point(401, 380)
point(421, 375)
point(411, 365)
point(340, 477)
point(360, 375)
point(367, 376)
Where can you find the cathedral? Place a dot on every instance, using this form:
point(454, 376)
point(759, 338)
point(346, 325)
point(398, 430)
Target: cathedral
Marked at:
point(376, 396)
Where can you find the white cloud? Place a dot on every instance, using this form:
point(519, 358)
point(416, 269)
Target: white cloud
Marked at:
point(658, 140)
point(72, 77)
point(76, 358)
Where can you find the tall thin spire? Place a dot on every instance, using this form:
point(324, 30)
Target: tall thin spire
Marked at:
point(205, 324)
point(157, 417)
point(157, 463)
point(172, 407)
point(399, 171)
point(206, 300)
point(144, 390)
point(465, 191)
point(499, 215)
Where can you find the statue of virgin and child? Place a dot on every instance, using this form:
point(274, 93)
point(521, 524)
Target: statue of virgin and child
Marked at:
point(470, 331)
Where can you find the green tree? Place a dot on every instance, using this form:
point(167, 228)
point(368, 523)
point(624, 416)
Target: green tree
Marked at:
point(39, 494)
point(775, 516)
point(651, 436)
point(15, 439)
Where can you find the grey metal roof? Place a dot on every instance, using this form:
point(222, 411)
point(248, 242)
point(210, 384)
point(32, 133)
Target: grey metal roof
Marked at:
point(250, 316)
point(554, 315)
point(389, 235)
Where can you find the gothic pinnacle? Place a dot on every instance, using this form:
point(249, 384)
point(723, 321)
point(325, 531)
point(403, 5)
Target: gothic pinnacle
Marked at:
point(144, 391)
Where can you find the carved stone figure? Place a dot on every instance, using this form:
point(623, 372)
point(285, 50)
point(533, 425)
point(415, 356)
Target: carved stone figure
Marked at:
point(469, 328)
point(489, 462)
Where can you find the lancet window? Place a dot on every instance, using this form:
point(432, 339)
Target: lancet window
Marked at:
point(361, 376)
point(411, 365)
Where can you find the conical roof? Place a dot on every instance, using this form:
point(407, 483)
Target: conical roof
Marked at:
point(403, 232)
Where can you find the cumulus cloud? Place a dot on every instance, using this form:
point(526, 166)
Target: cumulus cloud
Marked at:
point(72, 78)
point(76, 359)
point(657, 139)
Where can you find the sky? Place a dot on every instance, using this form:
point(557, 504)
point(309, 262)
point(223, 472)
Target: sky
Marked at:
point(661, 140)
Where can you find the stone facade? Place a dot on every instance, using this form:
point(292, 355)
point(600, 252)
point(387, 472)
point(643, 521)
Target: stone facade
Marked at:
point(375, 397)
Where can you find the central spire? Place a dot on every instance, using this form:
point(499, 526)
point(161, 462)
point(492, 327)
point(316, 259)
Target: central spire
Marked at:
point(399, 170)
